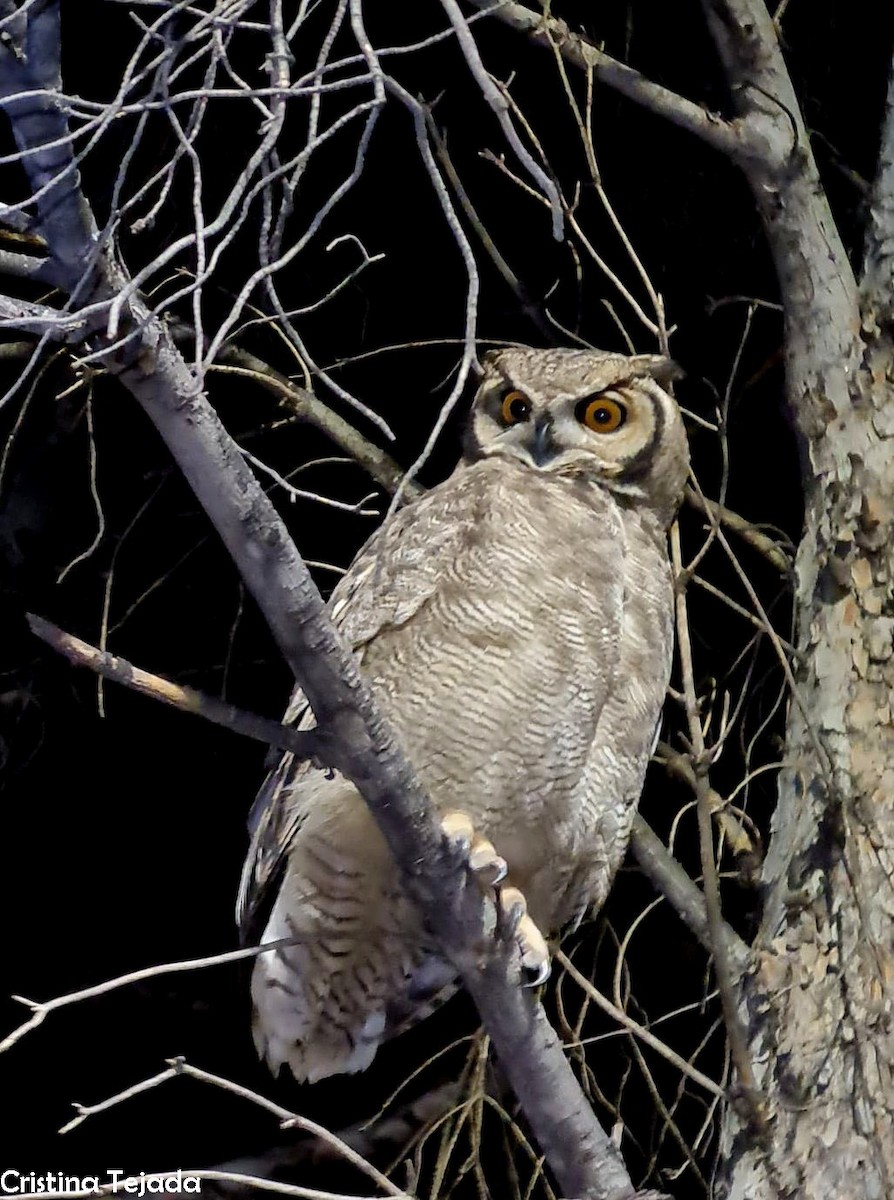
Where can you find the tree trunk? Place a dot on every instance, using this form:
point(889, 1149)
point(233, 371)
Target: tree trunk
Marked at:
point(818, 1003)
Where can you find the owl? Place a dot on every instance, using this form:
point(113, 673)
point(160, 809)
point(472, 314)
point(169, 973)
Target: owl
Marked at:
point(515, 624)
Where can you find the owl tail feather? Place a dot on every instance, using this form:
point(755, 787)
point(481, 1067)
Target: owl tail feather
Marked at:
point(359, 966)
point(321, 1042)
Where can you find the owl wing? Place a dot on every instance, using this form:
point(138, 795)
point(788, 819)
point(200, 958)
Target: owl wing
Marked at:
point(394, 574)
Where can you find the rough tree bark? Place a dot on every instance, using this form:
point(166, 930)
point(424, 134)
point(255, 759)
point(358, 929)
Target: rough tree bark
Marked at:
point(819, 1002)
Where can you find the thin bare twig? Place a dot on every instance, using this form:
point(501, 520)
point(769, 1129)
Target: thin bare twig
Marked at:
point(634, 1027)
point(526, 304)
point(41, 1009)
point(551, 32)
point(701, 757)
point(178, 1067)
point(748, 532)
point(659, 865)
point(307, 407)
point(305, 744)
point(496, 98)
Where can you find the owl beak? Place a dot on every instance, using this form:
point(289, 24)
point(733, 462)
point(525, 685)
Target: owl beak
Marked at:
point(543, 446)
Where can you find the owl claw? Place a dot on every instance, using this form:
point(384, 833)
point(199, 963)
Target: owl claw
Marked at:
point(531, 943)
point(488, 867)
point(536, 972)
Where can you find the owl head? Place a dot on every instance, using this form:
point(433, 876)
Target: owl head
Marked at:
point(603, 418)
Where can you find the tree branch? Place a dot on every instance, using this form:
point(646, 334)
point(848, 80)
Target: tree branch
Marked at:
point(497, 101)
point(665, 873)
point(550, 31)
point(526, 304)
point(40, 1010)
point(303, 404)
point(30, 80)
point(27, 316)
point(290, 1120)
point(748, 532)
point(724, 970)
point(303, 743)
point(27, 266)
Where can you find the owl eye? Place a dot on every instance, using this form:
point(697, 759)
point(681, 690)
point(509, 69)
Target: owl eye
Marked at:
point(602, 415)
point(516, 407)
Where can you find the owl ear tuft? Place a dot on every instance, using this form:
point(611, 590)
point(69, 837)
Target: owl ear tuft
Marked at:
point(660, 368)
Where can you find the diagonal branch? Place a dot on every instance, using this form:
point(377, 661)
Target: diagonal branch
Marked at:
point(28, 316)
point(497, 102)
point(27, 266)
point(577, 50)
point(669, 878)
point(304, 405)
point(303, 743)
point(748, 532)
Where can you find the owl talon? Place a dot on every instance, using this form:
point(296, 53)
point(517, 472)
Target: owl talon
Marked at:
point(488, 867)
point(514, 922)
point(535, 955)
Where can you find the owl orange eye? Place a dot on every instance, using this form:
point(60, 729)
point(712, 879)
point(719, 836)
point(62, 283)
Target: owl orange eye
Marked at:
point(516, 407)
point(602, 415)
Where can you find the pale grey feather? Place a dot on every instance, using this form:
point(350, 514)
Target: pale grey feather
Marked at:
point(515, 624)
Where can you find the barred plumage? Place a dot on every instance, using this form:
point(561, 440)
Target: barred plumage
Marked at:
point(515, 624)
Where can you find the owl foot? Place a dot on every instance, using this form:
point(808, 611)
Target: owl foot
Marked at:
point(514, 920)
point(488, 867)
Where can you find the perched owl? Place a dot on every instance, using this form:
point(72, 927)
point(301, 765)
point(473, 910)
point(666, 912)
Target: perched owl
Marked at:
point(515, 625)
